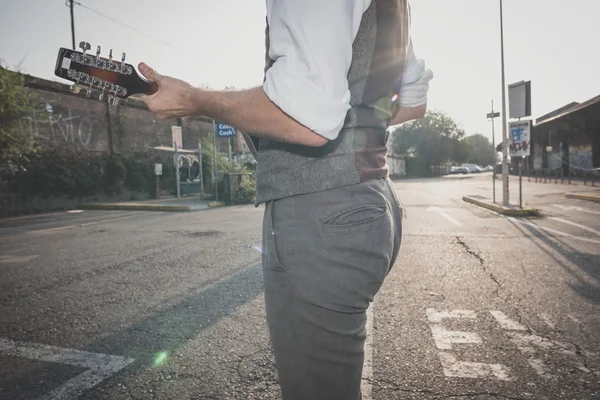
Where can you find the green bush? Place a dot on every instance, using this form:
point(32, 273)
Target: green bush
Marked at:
point(51, 173)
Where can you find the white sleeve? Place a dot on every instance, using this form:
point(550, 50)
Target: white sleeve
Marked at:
point(415, 81)
point(311, 44)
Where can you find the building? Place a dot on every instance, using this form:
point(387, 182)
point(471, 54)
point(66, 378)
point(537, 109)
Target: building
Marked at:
point(567, 140)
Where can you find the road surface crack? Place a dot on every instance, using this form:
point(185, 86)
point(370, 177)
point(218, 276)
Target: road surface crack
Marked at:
point(485, 268)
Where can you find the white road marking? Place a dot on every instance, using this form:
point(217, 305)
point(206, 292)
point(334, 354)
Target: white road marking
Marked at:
point(539, 367)
point(575, 208)
point(548, 321)
point(436, 317)
point(444, 339)
point(60, 228)
point(507, 323)
point(99, 366)
point(8, 259)
point(572, 318)
point(367, 375)
point(445, 215)
point(585, 228)
point(540, 228)
point(464, 369)
point(527, 345)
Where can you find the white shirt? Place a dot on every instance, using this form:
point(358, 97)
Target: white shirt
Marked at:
point(311, 44)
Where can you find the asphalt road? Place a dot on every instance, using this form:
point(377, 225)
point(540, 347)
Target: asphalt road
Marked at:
point(151, 305)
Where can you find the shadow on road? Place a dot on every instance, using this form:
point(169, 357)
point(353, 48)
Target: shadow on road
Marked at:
point(585, 262)
point(170, 329)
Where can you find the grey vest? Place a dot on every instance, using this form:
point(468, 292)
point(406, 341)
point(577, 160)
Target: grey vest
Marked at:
point(359, 152)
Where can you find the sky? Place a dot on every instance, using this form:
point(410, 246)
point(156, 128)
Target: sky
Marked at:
point(219, 43)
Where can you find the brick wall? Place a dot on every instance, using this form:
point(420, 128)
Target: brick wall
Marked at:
point(74, 121)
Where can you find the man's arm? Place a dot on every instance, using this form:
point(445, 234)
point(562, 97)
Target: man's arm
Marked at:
point(248, 110)
point(405, 114)
point(413, 90)
point(305, 95)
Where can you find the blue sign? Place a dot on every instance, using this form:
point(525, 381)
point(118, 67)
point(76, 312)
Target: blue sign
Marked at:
point(224, 130)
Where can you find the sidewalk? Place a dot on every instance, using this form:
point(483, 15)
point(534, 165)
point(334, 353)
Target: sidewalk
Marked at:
point(534, 195)
point(192, 203)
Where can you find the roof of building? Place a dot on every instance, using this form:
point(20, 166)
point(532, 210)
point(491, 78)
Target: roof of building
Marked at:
point(567, 110)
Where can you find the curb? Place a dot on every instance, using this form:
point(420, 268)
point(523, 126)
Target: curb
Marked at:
point(132, 207)
point(513, 212)
point(587, 197)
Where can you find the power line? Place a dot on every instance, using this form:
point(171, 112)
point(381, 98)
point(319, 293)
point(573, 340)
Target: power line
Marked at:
point(134, 29)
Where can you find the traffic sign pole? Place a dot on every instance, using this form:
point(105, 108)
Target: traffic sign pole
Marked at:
point(491, 116)
point(215, 185)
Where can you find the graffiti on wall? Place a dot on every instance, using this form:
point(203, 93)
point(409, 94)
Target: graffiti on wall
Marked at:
point(581, 156)
point(58, 127)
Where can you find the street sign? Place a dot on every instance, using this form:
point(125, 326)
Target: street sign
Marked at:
point(157, 169)
point(519, 99)
point(224, 130)
point(493, 115)
point(520, 138)
point(176, 136)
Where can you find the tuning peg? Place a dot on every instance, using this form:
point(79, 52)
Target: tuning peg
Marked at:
point(113, 100)
point(123, 58)
point(85, 46)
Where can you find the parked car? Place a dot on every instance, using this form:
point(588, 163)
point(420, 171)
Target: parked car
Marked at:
point(472, 168)
point(459, 170)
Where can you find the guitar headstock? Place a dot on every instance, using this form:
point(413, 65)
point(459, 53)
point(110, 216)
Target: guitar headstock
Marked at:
point(92, 73)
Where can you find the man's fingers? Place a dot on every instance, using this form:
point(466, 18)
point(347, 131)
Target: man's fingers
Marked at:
point(149, 73)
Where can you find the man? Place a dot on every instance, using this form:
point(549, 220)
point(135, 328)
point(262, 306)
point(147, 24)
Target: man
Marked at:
point(338, 73)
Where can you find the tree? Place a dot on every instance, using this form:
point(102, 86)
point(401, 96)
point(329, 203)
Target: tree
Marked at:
point(479, 150)
point(433, 139)
point(16, 145)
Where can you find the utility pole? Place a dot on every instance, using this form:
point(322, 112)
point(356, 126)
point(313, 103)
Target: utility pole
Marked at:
point(72, 24)
point(505, 167)
point(491, 116)
point(215, 182)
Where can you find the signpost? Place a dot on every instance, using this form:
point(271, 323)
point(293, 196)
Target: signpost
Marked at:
point(177, 136)
point(520, 138)
point(177, 178)
point(520, 146)
point(158, 173)
point(491, 116)
point(223, 131)
point(227, 131)
point(201, 174)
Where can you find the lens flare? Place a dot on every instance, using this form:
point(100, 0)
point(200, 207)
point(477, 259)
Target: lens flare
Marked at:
point(258, 247)
point(160, 358)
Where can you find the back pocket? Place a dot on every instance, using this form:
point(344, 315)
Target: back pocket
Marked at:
point(355, 219)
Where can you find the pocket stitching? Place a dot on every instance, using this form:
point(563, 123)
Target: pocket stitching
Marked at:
point(330, 216)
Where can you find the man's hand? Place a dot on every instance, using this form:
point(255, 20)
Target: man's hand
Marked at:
point(173, 98)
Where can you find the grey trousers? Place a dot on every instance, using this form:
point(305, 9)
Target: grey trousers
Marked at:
point(325, 256)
